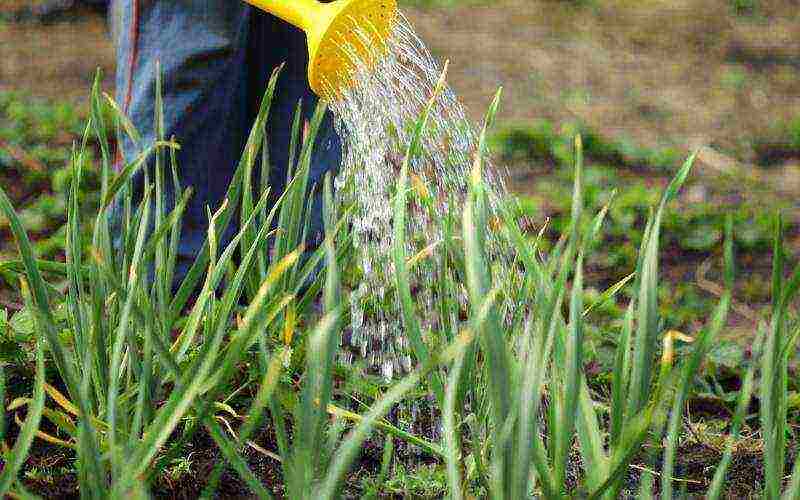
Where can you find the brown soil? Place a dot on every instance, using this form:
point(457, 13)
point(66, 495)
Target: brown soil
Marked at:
point(50, 469)
point(656, 71)
point(56, 60)
point(685, 74)
point(682, 73)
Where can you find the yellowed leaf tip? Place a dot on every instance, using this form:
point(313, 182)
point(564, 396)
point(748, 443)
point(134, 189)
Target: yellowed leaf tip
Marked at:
point(668, 342)
point(419, 187)
point(442, 78)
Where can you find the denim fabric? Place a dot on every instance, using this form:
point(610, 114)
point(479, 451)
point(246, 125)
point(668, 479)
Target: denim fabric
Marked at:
point(216, 58)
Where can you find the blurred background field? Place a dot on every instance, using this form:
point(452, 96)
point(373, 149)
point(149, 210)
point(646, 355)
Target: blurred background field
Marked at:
point(644, 82)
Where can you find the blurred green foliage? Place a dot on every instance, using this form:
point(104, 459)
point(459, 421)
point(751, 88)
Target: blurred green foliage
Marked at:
point(744, 7)
point(43, 132)
point(629, 179)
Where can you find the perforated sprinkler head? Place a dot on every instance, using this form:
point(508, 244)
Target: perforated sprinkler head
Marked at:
point(342, 35)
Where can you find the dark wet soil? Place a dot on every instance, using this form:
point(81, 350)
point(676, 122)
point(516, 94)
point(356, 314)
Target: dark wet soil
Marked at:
point(50, 470)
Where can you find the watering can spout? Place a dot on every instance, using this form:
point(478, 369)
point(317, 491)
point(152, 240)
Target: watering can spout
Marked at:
point(342, 35)
point(298, 13)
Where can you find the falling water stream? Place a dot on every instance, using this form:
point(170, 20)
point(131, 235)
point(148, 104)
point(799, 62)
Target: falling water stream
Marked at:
point(375, 119)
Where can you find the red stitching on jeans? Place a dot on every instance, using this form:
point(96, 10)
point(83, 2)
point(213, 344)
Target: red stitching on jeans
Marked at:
point(134, 34)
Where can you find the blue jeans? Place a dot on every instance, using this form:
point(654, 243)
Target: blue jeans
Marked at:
point(216, 58)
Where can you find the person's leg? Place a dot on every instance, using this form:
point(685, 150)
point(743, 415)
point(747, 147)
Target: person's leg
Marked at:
point(272, 42)
point(216, 58)
point(201, 46)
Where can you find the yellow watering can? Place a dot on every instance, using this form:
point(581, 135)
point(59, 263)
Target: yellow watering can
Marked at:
point(338, 33)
